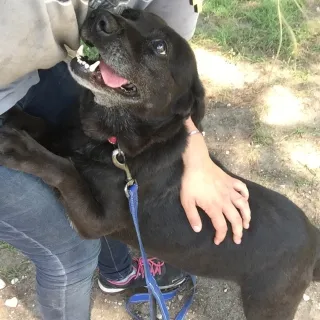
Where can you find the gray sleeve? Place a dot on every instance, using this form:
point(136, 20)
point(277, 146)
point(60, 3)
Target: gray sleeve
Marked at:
point(178, 14)
point(11, 94)
point(34, 33)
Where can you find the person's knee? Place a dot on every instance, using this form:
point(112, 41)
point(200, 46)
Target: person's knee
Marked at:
point(20, 191)
point(34, 221)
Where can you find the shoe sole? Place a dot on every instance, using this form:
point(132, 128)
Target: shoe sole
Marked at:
point(117, 290)
point(109, 290)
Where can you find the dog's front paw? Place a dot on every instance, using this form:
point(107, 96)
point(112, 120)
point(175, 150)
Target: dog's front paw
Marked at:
point(21, 152)
point(17, 148)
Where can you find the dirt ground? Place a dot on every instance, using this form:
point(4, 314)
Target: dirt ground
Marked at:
point(263, 122)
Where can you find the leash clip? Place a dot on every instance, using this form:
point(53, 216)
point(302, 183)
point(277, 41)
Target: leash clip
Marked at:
point(123, 166)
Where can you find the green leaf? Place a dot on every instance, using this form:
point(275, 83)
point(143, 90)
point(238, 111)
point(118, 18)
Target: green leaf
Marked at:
point(91, 52)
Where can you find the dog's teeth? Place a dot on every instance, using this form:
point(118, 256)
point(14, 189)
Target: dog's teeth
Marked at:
point(80, 51)
point(86, 65)
point(94, 66)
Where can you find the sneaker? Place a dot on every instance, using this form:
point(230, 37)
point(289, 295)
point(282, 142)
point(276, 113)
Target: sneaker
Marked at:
point(166, 276)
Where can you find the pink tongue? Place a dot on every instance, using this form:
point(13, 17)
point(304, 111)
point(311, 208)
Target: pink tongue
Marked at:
point(110, 78)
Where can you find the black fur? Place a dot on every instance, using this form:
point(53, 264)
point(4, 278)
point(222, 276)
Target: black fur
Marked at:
point(279, 254)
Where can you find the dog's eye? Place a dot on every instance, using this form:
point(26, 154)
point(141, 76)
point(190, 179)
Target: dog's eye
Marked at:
point(160, 47)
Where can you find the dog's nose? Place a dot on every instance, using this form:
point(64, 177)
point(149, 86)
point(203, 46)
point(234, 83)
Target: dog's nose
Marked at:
point(106, 24)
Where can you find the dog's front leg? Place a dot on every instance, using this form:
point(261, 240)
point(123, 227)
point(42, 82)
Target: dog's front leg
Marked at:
point(20, 152)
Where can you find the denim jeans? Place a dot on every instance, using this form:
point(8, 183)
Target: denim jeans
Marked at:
point(33, 220)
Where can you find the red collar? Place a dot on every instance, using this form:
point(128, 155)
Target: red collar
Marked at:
point(113, 140)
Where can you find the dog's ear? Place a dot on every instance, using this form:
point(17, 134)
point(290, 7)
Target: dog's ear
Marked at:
point(191, 102)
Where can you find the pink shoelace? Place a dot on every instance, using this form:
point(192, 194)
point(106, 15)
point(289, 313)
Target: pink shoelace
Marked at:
point(154, 264)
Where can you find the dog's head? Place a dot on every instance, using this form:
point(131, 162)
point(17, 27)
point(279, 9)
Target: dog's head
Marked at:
point(144, 66)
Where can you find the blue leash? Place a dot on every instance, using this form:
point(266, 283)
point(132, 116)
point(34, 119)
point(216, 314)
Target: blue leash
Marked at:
point(154, 295)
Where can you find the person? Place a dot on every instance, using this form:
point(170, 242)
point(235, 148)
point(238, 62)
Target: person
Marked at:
point(35, 78)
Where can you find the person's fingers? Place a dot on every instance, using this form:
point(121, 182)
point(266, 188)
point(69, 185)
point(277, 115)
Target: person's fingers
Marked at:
point(241, 188)
point(235, 219)
point(243, 206)
point(218, 221)
point(192, 215)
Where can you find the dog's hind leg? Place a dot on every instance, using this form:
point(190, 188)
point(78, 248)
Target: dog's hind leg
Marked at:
point(273, 294)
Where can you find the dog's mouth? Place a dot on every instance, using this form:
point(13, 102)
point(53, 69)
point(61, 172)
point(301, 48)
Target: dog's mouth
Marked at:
point(89, 65)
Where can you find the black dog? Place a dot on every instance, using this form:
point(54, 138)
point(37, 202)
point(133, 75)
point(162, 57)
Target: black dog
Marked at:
point(280, 253)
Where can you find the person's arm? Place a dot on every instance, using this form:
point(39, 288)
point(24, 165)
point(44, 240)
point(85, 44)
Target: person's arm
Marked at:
point(33, 34)
point(205, 185)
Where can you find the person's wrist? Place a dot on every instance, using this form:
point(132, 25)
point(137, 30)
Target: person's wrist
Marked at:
point(193, 132)
point(196, 152)
point(190, 125)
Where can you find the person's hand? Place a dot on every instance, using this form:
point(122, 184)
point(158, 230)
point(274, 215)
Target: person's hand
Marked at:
point(205, 185)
